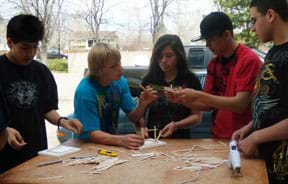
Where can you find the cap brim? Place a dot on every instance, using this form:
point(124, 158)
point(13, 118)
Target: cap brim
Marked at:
point(197, 39)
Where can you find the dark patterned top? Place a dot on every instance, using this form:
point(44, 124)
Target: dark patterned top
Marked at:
point(271, 106)
point(30, 92)
point(162, 112)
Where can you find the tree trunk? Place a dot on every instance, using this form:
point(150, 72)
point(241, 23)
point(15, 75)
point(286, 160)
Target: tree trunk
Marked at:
point(43, 53)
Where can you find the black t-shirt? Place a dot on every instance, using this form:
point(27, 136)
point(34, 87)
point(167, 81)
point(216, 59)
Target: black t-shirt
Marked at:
point(162, 112)
point(271, 106)
point(3, 111)
point(30, 92)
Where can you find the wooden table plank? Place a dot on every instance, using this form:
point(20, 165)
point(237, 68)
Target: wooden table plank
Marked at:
point(151, 171)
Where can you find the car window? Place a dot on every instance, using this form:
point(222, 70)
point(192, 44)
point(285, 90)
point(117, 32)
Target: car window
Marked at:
point(260, 54)
point(196, 58)
point(201, 78)
point(52, 51)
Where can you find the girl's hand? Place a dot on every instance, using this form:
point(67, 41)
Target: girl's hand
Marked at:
point(168, 130)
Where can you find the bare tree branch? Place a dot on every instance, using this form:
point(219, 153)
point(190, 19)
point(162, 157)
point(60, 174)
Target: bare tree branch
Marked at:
point(158, 10)
point(95, 15)
point(47, 11)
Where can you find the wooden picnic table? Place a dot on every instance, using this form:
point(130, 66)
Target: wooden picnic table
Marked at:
point(152, 171)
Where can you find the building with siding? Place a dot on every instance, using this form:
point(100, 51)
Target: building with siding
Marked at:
point(83, 40)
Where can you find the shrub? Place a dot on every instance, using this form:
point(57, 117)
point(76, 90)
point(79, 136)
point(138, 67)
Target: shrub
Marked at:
point(58, 65)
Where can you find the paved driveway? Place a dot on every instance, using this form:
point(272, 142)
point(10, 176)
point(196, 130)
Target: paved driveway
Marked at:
point(66, 84)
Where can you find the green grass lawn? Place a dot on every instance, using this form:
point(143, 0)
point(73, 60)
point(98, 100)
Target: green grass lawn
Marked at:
point(60, 65)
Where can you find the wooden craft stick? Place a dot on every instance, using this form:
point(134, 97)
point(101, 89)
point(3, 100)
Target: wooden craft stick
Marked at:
point(50, 163)
point(112, 149)
point(155, 133)
point(142, 87)
point(51, 178)
point(142, 130)
point(160, 133)
point(150, 130)
point(222, 143)
point(117, 150)
point(193, 179)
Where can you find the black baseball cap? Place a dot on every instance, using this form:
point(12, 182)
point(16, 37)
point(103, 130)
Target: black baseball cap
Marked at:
point(214, 24)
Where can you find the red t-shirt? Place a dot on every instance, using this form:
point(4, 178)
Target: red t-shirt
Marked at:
point(226, 77)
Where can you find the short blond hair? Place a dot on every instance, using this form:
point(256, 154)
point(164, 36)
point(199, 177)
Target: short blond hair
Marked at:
point(98, 55)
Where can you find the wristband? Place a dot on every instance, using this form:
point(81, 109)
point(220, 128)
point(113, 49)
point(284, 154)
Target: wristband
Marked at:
point(59, 120)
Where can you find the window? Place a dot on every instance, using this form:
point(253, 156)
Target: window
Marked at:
point(90, 43)
point(196, 58)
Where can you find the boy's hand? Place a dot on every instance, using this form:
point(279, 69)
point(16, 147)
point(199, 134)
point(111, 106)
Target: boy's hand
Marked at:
point(238, 134)
point(15, 139)
point(187, 95)
point(241, 133)
point(158, 90)
point(73, 125)
point(148, 95)
point(173, 94)
point(131, 141)
point(248, 146)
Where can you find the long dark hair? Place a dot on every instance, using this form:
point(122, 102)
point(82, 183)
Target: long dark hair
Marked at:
point(155, 75)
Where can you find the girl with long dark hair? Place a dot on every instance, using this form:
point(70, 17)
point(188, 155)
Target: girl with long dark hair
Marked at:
point(168, 68)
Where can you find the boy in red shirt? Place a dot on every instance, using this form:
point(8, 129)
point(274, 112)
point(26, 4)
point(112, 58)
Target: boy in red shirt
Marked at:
point(230, 80)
